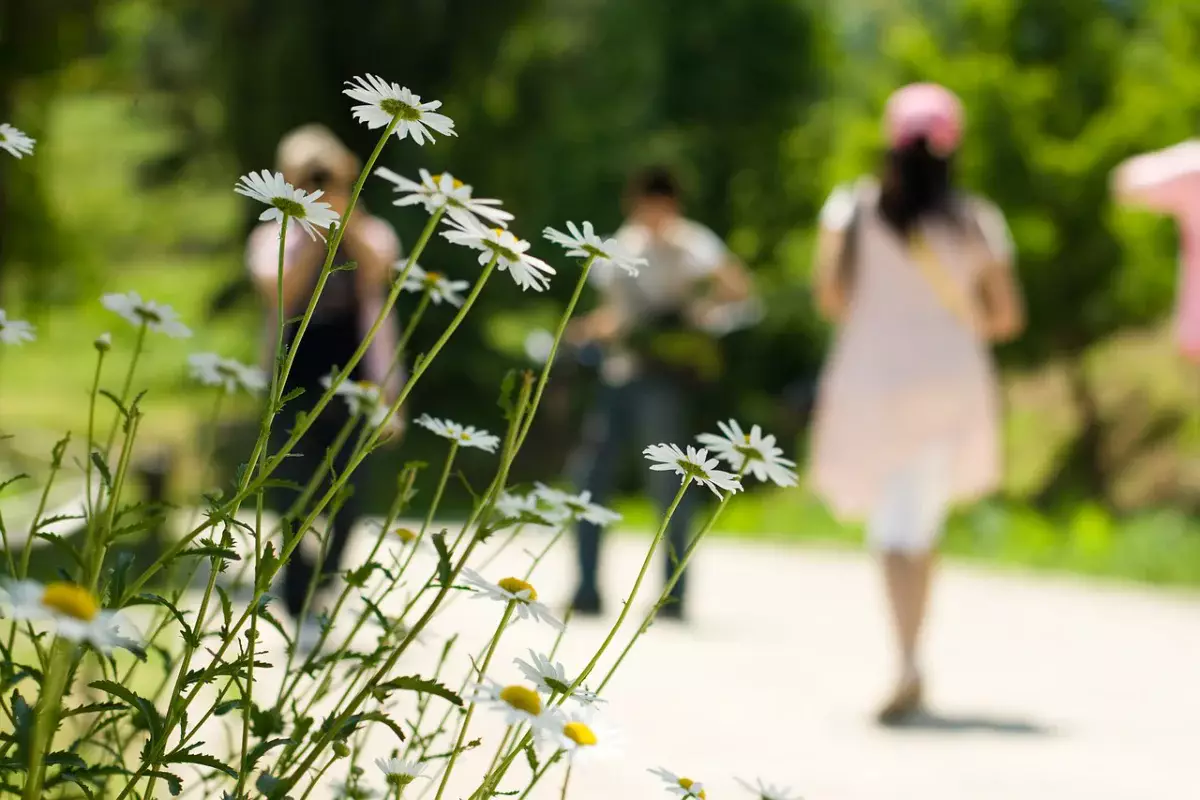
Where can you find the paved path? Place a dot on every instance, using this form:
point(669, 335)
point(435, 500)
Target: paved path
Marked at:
point(1042, 688)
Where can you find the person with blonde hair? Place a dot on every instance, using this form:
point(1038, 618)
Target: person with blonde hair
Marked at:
point(918, 278)
point(313, 158)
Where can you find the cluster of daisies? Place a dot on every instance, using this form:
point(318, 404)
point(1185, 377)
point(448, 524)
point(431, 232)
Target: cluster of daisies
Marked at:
point(750, 453)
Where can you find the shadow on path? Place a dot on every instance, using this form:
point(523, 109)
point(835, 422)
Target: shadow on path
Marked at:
point(971, 723)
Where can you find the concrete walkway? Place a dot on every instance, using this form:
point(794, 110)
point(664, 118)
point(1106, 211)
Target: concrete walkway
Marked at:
point(1040, 688)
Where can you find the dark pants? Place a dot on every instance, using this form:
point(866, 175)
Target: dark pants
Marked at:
point(299, 468)
point(648, 410)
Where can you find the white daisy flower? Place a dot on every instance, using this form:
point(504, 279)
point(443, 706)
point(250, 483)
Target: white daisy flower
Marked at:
point(512, 590)
point(383, 101)
point(14, 331)
point(586, 244)
point(768, 791)
point(679, 785)
point(565, 505)
point(283, 198)
point(752, 452)
point(551, 677)
point(155, 316)
point(578, 733)
point(440, 288)
point(15, 141)
point(445, 191)
point(694, 463)
point(517, 703)
point(211, 369)
point(400, 773)
point(465, 435)
point(362, 397)
point(73, 610)
point(513, 505)
point(528, 272)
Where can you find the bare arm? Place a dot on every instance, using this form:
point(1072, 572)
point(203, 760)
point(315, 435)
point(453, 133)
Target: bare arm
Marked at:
point(1003, 306)
point(830, 288)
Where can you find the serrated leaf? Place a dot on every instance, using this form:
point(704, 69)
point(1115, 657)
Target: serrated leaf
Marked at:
point(93, 708)
point(62, 545)
point(443, 554)
point(147, 713)
point(174, 783)
point(415, 683)
point(190, 756)
point(507, 387)
point(261, 749)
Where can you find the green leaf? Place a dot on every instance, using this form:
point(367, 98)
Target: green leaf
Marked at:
point(93, 708)
point(415, 683)
point(19, 477)
point(23, 723)
point(105, 475)
point(62, 545)
point(116, 402)
point(531, 757)
point(189, 755)
point(147, 714)
point(443, 567)
point(174, 784)
point(507, 387)
point(261, 749)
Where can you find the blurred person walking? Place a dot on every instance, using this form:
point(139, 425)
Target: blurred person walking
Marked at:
point(1168, 181)
point(658, 331)
point(918, 278)
point(312, 157)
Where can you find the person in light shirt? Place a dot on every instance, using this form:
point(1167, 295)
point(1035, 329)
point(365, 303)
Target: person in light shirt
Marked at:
point(918, 278)
point(312, 158)
point(655, 331)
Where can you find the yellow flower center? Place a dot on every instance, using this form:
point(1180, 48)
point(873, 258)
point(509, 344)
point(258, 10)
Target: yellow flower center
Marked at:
point(688, 783)
point(516, 586)
point(406, 535)
point(522, 699)
point(746, 437)
point(498, 231)
point(580, 734)
point(71, 600)
point(453, 180)
point(432, 277)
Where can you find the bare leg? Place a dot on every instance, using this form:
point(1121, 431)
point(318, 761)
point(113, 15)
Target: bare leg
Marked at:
point(908, 576)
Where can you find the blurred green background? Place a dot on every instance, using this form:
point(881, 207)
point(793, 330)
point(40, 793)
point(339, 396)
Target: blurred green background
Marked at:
point(146, 111)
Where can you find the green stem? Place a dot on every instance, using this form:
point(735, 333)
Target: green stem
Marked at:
point(479, 512)
point(248, 486)
point(612, 632)
point(46, 717)
point(537, 776)
point(406, 335)
point(137, 352)
point(91, 436)
point(558, 335)
point(483, 668)
point(637, 585)
point(670, 584)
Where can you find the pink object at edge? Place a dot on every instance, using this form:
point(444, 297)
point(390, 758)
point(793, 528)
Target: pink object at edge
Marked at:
point(1169, 181)
point(924, 109)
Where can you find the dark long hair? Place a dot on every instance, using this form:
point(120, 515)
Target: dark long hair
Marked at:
point(917, 184)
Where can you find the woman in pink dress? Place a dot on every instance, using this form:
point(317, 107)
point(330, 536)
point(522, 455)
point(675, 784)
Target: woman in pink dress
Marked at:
point(1169, 181)
point(918, 278)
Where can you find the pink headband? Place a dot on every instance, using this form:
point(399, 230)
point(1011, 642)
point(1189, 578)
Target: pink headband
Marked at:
point(924, 109)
